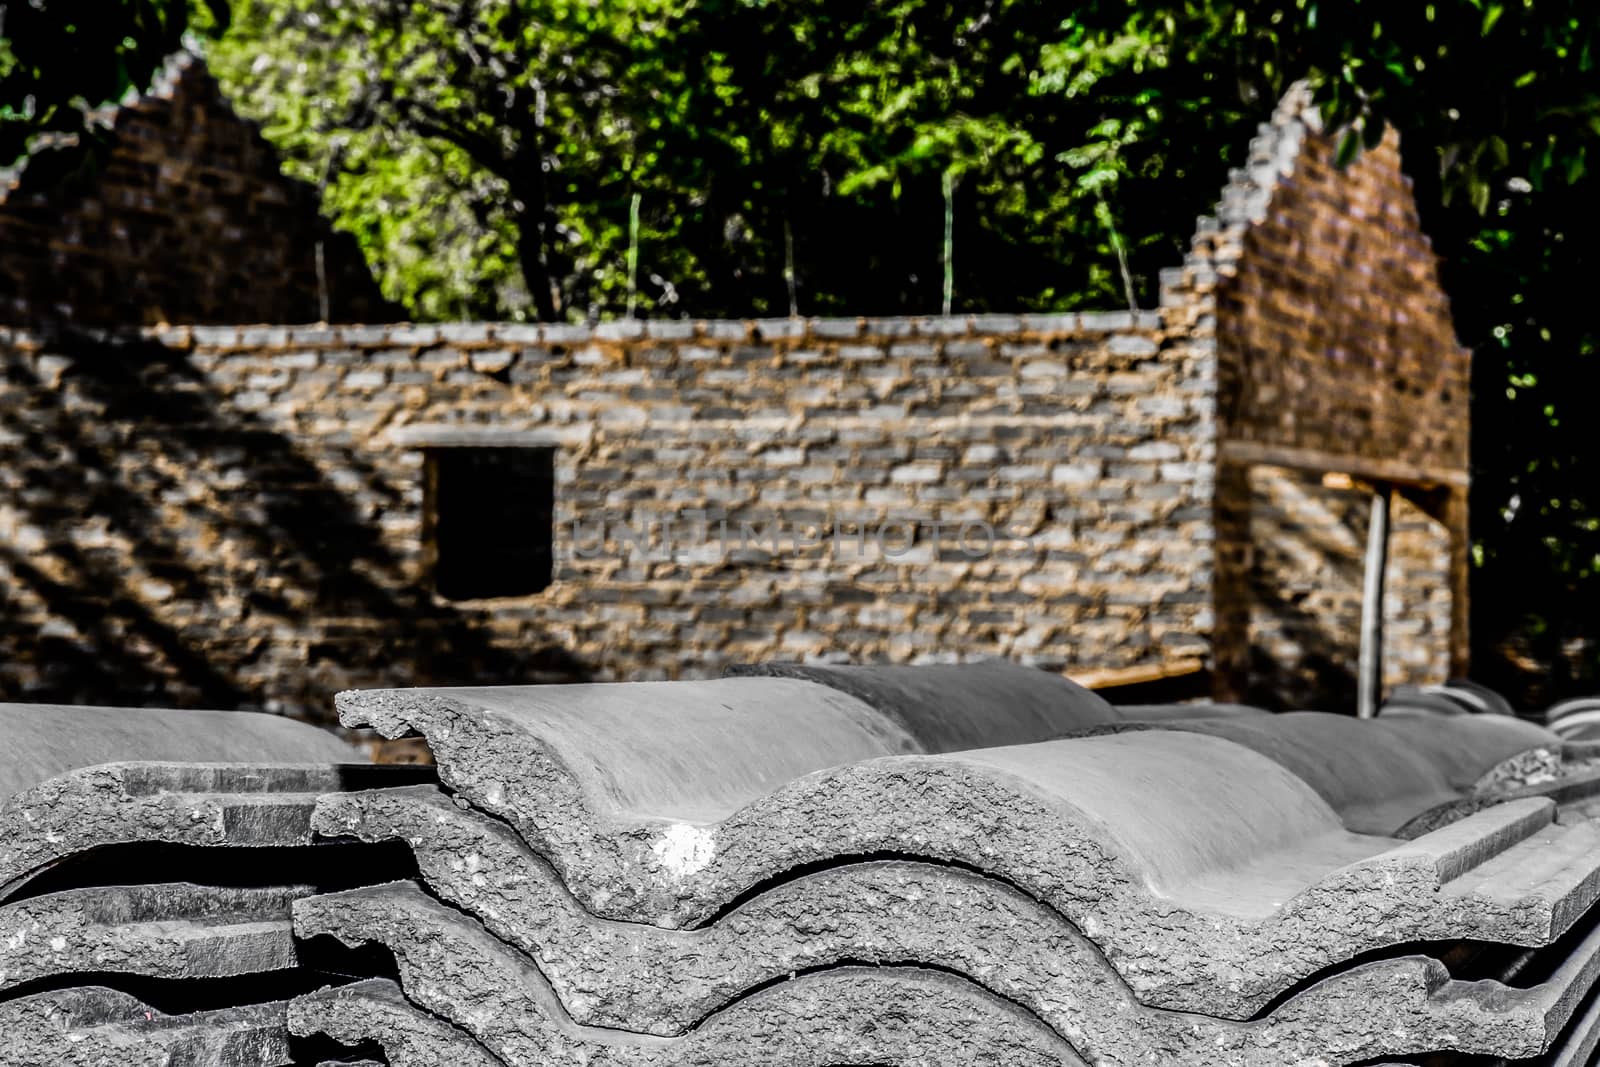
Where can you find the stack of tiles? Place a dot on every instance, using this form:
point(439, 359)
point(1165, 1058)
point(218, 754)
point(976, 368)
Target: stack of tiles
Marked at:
point(148, 864)
point(1577, 719)
point(960, 865)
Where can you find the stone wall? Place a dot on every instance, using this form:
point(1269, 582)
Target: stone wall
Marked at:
point(237, 516)
point(1335, 355)
point(1340, 344)
point(1308, 540)
point(1419, 609)
point(260, 516)
point(189, 219)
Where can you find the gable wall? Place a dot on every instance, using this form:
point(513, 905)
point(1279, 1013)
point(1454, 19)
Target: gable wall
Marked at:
point(189, 221)
point(1336, 359)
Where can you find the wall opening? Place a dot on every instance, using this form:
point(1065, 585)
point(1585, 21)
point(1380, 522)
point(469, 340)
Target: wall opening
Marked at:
point(489, 521)
point(1296, 544)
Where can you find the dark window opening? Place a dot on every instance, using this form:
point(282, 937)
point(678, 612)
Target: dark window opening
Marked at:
point(490, 520)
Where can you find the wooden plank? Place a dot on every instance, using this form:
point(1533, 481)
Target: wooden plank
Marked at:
point(1139, 673)
point(1379, 470)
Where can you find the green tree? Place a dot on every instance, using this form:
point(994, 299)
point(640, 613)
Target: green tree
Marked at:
point(511, 110)
point(754, 134)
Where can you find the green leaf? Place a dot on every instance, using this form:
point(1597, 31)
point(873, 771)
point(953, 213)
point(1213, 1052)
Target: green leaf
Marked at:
point(1478, 192)
point(1349, 148)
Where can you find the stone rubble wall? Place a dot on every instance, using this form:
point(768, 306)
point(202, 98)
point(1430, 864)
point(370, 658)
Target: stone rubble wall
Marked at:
point(220, 515)
point(239, 516)
point(1335, 355)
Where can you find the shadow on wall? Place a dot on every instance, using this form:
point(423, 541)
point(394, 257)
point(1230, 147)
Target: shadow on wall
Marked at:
point(163, 546)
point(1308, 539)
point(1305, 591)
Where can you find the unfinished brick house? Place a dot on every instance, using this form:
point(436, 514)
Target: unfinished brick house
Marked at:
point(258, 516)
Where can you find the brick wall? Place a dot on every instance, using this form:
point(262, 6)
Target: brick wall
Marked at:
point(241, 516)
point(1335, 354)
point(236, 516)
point(1359, 362)
point(1308, 540)
point(189, 220)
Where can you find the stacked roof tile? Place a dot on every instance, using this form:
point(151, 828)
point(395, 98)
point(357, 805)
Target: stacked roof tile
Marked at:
point(831, 865)
point(951, 865)
point(148, 863)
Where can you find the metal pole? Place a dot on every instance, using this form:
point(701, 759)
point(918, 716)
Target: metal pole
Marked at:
point(1369, 673)
point(323, 304)
point(949, 240)
point(633, 253)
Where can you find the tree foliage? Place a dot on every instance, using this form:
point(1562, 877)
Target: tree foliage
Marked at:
point(787, 155)
point(62, 59)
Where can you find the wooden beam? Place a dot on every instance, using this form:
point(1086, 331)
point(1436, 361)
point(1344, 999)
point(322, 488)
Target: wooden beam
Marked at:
point(1365, 468)
point(1138, 674)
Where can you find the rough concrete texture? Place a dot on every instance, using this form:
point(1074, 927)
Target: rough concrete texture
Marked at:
point(639, 978)
point(950, 707)
point(1577, 750)
point(1256, 886)
point(1577, 1047)
point(97, 1027)
point(44, 740)
point(1449, 699)
point(452, 967)
point(165, 931)
point(1577, 794)
point(175, 803)
point(376, 1011)
point(1483, 753)
point(1395, 777)
point(1577, 721)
